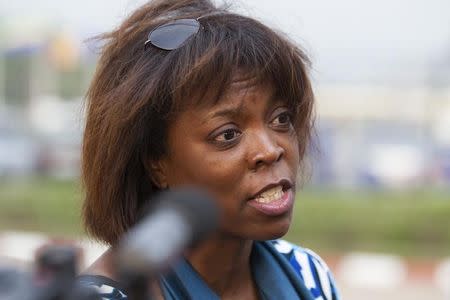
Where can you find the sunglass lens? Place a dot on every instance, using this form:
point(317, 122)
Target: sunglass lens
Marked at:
point(172, 35)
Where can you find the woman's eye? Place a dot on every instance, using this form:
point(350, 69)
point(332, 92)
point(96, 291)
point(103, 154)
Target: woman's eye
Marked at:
point(282, 119)
point(227, 135)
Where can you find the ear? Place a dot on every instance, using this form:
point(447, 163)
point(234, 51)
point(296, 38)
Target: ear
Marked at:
point(157, 173)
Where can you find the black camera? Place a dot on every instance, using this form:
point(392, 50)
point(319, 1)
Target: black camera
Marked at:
point(52, 278)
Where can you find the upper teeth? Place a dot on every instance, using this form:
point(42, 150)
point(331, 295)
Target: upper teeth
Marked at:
point(270, 195)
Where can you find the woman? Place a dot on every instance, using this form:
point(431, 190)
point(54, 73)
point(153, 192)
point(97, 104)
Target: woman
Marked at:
point(190, 94)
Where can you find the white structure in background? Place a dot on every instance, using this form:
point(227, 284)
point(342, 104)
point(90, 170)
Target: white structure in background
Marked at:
point(18, 148)
point(376, 271)
point(51, 116)
point(396, 165)
point(59, 125)
point(442, 277)
point(385, 134)
point(441, 123)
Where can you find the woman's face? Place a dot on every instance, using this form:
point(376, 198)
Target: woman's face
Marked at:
point(244, 151)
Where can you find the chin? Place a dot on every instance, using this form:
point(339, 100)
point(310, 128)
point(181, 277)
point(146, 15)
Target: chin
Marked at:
point(272, 231)
point(272, 235)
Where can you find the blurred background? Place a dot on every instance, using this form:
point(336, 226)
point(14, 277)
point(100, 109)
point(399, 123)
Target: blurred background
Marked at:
point(377, 203)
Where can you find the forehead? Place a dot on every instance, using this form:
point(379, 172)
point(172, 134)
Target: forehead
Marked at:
point(239, 93)
point(239, 90)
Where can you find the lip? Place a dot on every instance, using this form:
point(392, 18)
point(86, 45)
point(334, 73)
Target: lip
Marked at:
point(277, 207)
point(286, 184)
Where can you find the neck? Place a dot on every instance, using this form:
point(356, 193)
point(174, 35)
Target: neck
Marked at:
point(224, 263)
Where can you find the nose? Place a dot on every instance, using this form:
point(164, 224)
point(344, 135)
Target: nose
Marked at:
point(264, 150)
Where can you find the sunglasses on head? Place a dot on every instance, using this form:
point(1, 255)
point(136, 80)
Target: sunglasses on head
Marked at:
point(173, 35)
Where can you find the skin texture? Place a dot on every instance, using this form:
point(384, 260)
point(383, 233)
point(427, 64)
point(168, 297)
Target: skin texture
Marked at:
point(233, 149)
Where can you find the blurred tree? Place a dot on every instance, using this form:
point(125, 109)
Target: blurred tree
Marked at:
point(18, 75)
point(69, 83)
point(64, 56)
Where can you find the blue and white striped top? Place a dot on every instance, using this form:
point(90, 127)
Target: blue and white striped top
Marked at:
point(310, 268)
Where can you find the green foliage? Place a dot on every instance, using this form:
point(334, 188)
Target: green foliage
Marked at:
point(18, 73)
point(70, 83)
point(413, 222)
point(41, 205)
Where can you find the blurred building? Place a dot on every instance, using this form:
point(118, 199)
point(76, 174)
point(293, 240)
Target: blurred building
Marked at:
point(43, 78)
point(383, 136)
point(376, 135)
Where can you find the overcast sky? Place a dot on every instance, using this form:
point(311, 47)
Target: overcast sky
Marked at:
point(347, 39)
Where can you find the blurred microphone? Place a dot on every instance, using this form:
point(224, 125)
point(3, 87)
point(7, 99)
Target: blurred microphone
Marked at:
point(15, 285)
point(180, 219)
point(52, 279)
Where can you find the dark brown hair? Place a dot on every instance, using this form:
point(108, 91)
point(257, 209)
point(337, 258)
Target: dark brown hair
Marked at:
point(135, 93)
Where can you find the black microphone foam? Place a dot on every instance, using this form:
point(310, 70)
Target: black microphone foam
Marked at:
point(180, 219)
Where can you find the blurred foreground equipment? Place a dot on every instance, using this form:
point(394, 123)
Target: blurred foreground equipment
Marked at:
point(52, 279)
point(176, 221)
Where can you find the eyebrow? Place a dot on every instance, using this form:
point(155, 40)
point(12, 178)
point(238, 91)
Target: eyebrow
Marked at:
point(231, 112)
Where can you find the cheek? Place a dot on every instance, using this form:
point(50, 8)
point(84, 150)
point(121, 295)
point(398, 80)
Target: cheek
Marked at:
point(220, 175)
point(291, 146)
point(218, 172)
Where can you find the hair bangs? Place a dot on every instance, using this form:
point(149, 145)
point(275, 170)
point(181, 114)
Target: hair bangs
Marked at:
point(232, 48)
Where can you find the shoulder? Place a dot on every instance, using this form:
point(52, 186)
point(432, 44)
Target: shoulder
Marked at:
point(107, 288)
point(103, 281)
point(311, 268)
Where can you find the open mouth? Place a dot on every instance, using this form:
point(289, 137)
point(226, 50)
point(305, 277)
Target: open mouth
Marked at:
point(270, 195)
point(274, 200)
point(272, 192)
